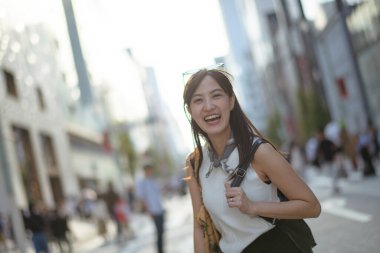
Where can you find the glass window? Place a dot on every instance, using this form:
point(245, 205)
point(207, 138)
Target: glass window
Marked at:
point(10, 83)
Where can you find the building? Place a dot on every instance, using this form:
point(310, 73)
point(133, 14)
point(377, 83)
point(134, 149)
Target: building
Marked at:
point(241, 62)
point(364, 29)
point(350, 86)
point(35, 145)
point(52, 143)
point(273, 56)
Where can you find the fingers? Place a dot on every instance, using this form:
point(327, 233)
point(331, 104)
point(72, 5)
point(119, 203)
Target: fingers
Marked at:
point(234, 195)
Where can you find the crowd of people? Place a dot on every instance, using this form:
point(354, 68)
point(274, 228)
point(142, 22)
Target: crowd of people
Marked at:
point(335, 153)
point(108, 211)
point(49, 229)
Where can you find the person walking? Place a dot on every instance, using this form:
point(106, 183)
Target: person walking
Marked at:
point(149, 195)
point(365, 148)
point(59, 228)
point(3, 239)
point(36, 223)
point(110, 198)
point(328, 159)
point(101, 216)
point(216, 117)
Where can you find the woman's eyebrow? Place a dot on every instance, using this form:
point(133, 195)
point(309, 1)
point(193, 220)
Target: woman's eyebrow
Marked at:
point(216, 90)
point(212, 91)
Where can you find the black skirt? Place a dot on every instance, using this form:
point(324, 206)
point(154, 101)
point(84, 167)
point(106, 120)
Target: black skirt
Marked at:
point(273, 241)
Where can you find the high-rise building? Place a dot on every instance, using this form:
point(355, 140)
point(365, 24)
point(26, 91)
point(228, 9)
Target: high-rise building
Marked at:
point(241, 62)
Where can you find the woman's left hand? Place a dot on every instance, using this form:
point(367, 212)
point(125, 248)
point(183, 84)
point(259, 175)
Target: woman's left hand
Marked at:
point(236, 198)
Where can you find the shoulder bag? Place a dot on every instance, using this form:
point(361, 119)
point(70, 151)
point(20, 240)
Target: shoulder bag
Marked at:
point(296, 229)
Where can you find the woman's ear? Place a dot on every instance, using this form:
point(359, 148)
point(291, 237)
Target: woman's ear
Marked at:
point(188, 109)
point(232, 102)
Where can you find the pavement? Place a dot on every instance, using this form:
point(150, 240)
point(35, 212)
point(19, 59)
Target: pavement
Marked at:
point(179, 223)
point(179, 227)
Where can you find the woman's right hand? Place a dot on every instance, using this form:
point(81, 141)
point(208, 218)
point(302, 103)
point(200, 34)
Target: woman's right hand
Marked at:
point(236, 198)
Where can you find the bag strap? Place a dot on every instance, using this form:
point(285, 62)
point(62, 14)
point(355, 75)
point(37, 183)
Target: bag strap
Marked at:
point(241, 169)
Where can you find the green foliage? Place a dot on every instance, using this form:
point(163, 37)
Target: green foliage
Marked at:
point(161, 161)
point(311, 112)
point(127, 149)
point(274, 127)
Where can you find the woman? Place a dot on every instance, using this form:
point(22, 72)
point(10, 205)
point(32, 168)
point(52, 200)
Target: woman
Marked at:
point(217, 118)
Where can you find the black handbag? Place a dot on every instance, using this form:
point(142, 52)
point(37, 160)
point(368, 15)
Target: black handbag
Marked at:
point(297, 229)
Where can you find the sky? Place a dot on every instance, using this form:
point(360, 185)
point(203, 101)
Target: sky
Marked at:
point(169, 35)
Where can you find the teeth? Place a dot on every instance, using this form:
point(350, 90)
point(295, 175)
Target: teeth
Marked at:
point(211, 117)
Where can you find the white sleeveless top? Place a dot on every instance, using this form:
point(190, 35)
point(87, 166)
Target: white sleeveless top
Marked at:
point(238, 230)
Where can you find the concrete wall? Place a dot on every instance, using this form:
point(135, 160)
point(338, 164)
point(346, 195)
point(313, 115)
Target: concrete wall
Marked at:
point(335, 61)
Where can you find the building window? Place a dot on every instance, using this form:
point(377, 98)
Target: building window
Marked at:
point(10, 83)
point(40, 97)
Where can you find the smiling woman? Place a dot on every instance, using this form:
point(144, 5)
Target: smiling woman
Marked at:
point(249, 211)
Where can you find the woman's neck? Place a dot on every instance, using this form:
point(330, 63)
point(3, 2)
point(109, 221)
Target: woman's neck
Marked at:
point(219, 142)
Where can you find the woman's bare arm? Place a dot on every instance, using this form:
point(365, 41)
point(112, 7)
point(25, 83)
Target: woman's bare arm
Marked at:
point(269, 164)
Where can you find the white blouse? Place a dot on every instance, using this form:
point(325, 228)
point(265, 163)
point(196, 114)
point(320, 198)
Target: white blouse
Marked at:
point(238, 230)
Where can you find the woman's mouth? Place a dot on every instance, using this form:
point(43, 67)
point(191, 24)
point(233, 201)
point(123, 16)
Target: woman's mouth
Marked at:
point(212, 118)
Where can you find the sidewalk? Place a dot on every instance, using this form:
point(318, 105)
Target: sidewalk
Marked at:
point(178, 219)
point(179, 227)
point(322, 184)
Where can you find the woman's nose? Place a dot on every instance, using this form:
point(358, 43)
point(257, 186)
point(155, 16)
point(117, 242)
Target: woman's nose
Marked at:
point(209, 104)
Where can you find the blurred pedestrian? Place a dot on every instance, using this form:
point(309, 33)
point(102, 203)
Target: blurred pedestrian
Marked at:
point(149, 194)
point(3, 241)
point(296, 157)
point(375, 140)
point(101, 216)
point(110, 198)
point(59, 229)
point(326, 154)
point(36, 222)
point(122, 213)
point(349, 149)
point(131, 197)
point(245, 215)
point(334, 132)
point(311, 149)
point(365, 149)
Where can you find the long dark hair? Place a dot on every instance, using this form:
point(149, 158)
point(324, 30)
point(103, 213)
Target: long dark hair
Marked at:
point(242, 128)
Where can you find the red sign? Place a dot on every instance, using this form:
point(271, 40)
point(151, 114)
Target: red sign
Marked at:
point(342, 87)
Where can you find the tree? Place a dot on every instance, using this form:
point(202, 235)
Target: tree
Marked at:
point(127, 150)
point(311, 114)
point(274, 128)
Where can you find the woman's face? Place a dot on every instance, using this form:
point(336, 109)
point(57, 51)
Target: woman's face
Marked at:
point(210, 108)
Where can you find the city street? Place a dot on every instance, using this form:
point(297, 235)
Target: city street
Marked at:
point(98, 98)
point(348, 222)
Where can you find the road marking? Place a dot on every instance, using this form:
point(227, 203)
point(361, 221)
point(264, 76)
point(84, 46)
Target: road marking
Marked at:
point(336, 206)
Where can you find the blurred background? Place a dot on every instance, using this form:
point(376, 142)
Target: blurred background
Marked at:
point(91, 90)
